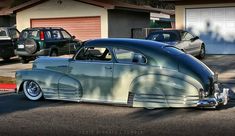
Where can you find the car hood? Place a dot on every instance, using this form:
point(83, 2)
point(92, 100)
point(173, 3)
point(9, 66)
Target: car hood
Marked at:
point(193, 67)
point(51, 63)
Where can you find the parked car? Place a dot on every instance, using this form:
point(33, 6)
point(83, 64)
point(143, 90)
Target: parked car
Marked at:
point(8, 40)
point(138, 73)
point(180, 39)
point(45, 42)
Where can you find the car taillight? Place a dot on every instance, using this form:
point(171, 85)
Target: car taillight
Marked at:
point(42, 35)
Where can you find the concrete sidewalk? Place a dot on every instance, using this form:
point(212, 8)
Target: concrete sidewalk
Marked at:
point(7, 91)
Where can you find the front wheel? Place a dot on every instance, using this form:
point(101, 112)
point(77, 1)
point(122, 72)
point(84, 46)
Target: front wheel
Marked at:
point(32, 91)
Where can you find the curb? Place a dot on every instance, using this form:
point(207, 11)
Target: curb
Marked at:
point(7, 88)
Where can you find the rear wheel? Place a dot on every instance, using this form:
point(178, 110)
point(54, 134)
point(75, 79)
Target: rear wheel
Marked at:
point(32, 91)
point(30, 46)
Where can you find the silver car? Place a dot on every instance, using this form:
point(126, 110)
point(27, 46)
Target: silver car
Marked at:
point(180, 39)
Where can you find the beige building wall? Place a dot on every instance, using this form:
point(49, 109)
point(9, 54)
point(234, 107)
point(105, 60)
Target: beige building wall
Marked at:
point(180, 12)
point(68, 8)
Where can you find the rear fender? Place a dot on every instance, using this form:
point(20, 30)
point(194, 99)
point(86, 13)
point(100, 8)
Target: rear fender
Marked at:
point(159, 90)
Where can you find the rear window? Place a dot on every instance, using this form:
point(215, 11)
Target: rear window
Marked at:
point(29, 34)
point(163, 37)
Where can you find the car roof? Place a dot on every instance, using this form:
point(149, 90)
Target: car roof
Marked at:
point(174, 30)
point(43, 28)
point(126, 42)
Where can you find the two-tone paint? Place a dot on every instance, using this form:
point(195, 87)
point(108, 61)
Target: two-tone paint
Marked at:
point(169, 78)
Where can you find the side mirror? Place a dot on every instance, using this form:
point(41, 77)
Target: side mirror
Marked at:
point(73, 37)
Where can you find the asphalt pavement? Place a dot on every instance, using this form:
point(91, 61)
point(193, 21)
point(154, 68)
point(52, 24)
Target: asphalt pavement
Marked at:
point(19, 116)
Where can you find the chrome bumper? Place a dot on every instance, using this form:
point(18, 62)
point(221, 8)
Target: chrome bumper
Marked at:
point(220, 97)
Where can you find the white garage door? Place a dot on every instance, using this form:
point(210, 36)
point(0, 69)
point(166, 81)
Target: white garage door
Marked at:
point(216, 26)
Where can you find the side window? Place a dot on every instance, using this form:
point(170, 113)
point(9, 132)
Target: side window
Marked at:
point(164, 37)
point(94, 54)
point(66, 35)
point(14, 33)
point(48, 35)
point(187, 36)
point(128, 56)
point(56, 34)
point(29, 34)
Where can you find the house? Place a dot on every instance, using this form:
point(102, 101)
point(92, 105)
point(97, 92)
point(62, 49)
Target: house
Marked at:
point(211, 20)
point(6, 20)
point(161, 20)
point(86, 19)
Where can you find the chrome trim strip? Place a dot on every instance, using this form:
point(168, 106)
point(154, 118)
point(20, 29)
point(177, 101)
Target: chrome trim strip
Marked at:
point(103, 101)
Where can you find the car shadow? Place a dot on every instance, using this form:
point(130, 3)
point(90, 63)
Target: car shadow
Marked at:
point(14, 102)
point(11, 61)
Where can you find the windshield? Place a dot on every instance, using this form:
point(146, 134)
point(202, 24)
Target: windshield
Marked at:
point(163, 37)
point(29, 34)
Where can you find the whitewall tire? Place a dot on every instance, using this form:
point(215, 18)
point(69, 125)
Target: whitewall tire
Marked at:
point(32, 90)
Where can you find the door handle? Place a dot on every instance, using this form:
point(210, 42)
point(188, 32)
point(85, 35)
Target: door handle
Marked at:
point(108, 67)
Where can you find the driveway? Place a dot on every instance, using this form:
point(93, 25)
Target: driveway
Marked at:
point(224, 65)
point(8, 69)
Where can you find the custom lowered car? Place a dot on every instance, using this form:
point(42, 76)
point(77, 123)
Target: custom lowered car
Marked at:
point(137, 73)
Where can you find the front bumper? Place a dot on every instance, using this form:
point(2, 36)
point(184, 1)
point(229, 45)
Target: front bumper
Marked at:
point(220, 97)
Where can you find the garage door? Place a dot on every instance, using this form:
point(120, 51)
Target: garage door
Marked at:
point(216, 26)
point(83, 28)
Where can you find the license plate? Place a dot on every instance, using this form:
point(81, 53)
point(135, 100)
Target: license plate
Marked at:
point(20, 46)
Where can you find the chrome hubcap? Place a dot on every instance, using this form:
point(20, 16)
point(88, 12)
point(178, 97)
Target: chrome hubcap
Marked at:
point(32, 89)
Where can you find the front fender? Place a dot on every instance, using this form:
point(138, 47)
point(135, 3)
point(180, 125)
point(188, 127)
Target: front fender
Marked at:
point(45, 78)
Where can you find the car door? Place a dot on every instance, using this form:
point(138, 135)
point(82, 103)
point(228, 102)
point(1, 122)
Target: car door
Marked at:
point(70, 44)
point(190, 45)
point(59, 42)
point(130, 65)
point(130, 68)
point(14, 34)
point(93, 68)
